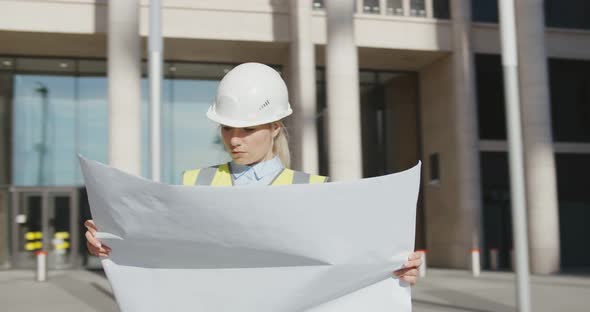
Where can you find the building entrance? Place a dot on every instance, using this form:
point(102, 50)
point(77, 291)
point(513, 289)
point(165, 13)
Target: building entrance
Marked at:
point(44, 218)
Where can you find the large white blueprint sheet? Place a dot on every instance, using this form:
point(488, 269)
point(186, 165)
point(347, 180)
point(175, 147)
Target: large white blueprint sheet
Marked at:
point(317, 248)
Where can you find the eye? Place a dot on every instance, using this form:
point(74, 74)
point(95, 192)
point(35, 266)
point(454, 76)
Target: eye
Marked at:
point(226, 128)
point(249, 129)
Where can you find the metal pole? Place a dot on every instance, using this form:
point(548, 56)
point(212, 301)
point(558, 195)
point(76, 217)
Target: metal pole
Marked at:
point(42, 147)
point(155, 79)
point(517, 182)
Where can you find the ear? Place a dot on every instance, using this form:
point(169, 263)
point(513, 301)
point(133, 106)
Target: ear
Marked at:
point(275, 128)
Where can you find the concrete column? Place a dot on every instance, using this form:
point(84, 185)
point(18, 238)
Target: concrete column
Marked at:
point(342, 82)
point(304, 140)
point(465, 127)
point(124, 74)
point(543, 211)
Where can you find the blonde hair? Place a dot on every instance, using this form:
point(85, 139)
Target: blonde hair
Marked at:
point(280, 145)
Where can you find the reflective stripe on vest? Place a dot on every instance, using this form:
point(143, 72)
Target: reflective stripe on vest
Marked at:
point(221, 176)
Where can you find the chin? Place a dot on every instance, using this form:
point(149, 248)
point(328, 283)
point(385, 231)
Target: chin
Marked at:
point(242, 161)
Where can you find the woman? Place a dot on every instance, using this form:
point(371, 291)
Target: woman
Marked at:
point(251, 101)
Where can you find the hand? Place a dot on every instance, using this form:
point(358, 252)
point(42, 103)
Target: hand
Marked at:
point(409, 271)
point(95, 247)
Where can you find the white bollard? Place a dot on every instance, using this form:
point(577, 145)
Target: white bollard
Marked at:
point(422, 268)
point(41, 275)
point(475, 262)
point(494, 259)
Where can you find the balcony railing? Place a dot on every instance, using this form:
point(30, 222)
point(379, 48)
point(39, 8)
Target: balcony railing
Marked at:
point(406, 8)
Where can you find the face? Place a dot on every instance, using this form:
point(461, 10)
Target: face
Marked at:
point(250, 145)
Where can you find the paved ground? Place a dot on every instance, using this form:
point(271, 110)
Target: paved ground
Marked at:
point(441, 290)
point(453, 290)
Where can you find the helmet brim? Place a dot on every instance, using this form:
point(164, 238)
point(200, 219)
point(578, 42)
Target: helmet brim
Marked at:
point(242, 123)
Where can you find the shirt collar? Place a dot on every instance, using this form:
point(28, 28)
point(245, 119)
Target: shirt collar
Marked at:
point(259, 170)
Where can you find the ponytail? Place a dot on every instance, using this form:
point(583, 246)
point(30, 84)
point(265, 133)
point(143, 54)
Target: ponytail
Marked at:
point(281, 146)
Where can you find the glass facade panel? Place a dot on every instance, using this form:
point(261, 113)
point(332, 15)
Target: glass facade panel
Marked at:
point(574, 208)
point(395, 7)
point(496, 211)
point(442, 9)
point(490, 97)
point(558, 13)
point(371, 6)
point(318, 4)
point(190, 139)
point(417, 8)
point(44, 138)
point(485, 11)
point(60, 108)
point(570, 100)
point(92, 120)
point(567, 14)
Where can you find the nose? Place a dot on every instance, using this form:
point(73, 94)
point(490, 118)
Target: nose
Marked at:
point(235, 137)
point(235, 141)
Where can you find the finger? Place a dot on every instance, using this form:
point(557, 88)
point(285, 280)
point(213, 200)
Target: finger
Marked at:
point(412, 272)
point(401, 271)
point(100, 252)
point(93, 250)
point(413, 263)
point(92, 240)
point(415, 255)
point(89, 224)
point(410, 279)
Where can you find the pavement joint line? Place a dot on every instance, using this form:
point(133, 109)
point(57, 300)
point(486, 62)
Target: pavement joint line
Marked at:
point(449, 306)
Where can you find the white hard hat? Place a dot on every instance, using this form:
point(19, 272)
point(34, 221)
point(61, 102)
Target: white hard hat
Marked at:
point(250, 94)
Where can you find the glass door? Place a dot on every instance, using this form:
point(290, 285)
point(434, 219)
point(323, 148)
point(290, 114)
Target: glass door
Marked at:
point(45, 219)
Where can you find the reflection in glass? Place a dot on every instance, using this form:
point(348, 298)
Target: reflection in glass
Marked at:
point(318, 4)
point(371, 6)
point(417, 8)
point(44, 130)
point(192, 139)
point(57, 115)
point(395, 7)
point(189, 139)
point(92, 120)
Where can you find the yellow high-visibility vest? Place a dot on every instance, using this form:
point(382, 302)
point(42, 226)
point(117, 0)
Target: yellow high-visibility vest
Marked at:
point(221, 176)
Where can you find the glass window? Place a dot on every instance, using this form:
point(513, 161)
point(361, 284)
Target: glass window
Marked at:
point(318, 4)
point(442, 9)
point(417, 8)
point(92, 120)
point(61, 109)
point(570, 99)
point(496, 211)
point(190, 139)
point(485, 11)
point(490, 97)
point(567, 14)
point(574, 208)
point(395, 7)
point(44, 136)
point(371, 6)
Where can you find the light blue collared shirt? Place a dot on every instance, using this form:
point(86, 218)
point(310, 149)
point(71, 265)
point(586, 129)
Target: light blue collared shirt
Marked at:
point(262, 173)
